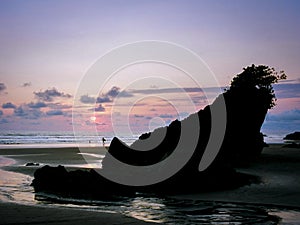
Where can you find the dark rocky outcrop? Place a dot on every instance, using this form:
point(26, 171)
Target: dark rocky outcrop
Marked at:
point(292, 140)
point(32, 164)
point(242, 143)
point(78, 183)
point(246, 108)
point(293, 136)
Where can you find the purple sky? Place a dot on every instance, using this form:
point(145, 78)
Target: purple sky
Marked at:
point(47, 47)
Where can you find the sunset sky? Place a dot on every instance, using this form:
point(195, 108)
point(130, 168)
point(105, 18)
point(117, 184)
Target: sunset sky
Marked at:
point(47, 47)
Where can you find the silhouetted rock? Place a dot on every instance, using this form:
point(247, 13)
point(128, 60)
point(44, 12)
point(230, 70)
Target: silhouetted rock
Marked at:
point(49, 178)
point(78, 183)
point(138, 153)
point(242, 143)
point(32, 164)
point(246, 102)
point(246, 111)
point(293, 136)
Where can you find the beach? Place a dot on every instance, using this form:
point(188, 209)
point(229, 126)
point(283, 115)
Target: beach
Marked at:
point(24, 214)
point(23, 209)
point(278, 193)
point(279, 170)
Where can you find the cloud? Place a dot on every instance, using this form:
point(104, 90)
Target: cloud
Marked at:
point(282, 123)
point(37, 105)
point(55, 113)
point(199, 99)
point(116, 91)
point(2, 87)
point(183, 115)
point(113, 92)
point(177, 90)
point(138, 116)
point(3, 121)
point(59, 106)
point(27, 84)
point(86, 99)
point(165, 116)
point(290, 81)
point(50, 94)
point(106, 97)
point(28, 113)
point(34, 123)
point(1, 112)
point(9, 105)
point(287, 90)
point(290, 116)
point(125, 94)
point(155, 91)
point(19, 111)
point(282, 90)
point(100, 108)
point(103, 99)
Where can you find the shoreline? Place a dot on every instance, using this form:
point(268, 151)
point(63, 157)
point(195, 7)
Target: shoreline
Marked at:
point(279, 189)
point(52, 146)
point(12, 212)
point(52, 157)
point(279, 169)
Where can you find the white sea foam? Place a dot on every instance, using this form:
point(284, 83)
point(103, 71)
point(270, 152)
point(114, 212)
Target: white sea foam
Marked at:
point(54, 139)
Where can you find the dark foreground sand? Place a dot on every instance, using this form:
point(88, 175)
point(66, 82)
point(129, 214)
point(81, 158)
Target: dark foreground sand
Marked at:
point(279, 169)
point(23, 214)
point(12, 213)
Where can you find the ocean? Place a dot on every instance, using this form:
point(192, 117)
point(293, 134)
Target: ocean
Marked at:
point(41, 139)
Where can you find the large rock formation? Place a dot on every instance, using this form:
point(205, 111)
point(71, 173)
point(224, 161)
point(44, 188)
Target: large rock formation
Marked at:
point(246, 108)
point(242, 143)
point(292, 140)
point(246, 111)
point(293, 136)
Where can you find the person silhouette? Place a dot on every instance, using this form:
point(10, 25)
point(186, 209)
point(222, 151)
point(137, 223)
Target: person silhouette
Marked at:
point(103, 141)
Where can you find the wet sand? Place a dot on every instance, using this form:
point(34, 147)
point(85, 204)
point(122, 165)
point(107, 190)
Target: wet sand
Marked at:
point(12, 213)
point(52, 156)
point(279, 169)
point(24, 214)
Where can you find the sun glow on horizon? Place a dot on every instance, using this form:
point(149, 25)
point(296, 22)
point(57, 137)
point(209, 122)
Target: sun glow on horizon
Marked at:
point(93, 118)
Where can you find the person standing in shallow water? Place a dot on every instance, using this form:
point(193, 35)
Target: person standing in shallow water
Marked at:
point(103, 141)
